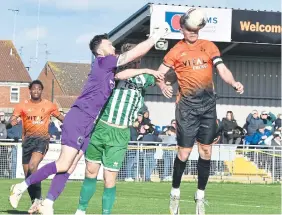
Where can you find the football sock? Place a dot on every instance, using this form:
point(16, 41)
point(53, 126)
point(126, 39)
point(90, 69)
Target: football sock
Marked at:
point(203, 173)
point(178, 169)
point(87, 191)
point(41, 174)
point(57, 186)
point(109, 196)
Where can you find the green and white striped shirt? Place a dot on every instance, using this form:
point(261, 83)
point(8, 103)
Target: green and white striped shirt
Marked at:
point(126, 100)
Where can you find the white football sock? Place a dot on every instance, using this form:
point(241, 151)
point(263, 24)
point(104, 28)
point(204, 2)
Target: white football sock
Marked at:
point(48, 202)
point(175, 191)
point(22, 186)
point(200, 194)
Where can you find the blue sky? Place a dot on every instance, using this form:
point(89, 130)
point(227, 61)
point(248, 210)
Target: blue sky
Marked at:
point(66, 26)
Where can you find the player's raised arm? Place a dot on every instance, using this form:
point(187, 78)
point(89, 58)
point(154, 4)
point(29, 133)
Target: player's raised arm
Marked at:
point(145, 46)
point(130, 73)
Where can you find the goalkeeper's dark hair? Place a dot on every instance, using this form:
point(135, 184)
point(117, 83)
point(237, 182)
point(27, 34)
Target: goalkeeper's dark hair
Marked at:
point(96, 41)
point(35, 82)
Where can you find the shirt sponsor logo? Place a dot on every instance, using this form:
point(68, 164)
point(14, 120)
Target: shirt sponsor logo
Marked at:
point(36, 120)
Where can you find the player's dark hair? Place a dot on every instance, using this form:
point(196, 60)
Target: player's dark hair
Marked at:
point(96, 41)
point(35, 82)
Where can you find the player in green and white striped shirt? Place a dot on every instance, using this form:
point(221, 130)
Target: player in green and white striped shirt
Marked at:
point(126, 100)
point(109, 141)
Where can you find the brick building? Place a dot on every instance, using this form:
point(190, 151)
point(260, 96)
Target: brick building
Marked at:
point(63, 82)
point(14, 77)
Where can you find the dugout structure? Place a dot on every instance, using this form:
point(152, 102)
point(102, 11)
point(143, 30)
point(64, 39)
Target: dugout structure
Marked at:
point(250, 44)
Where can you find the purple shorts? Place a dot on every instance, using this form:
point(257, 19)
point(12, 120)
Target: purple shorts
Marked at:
point(76, 130)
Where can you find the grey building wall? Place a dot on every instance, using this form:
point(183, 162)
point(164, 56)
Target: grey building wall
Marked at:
point(261, 78)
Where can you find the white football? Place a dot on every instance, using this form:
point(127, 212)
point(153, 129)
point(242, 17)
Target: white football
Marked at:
point(195, 19)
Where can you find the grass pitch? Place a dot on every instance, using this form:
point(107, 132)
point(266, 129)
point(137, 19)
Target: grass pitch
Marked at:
point(153, 198)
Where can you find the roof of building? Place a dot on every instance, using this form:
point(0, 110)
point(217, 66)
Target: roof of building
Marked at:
point(70, 76)
point(64, 101)
point(12, 68)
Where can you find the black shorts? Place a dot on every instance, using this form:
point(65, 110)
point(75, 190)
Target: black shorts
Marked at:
point(196, 123)
point(33, 144)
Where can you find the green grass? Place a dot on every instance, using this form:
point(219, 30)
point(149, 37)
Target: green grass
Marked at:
point(152, 198)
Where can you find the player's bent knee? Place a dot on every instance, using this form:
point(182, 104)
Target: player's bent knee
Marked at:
point(92, 169)
point(63, 166)
point(183, 153)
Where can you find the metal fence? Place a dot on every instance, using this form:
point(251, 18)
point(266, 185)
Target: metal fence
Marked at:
point(238, 163)
point(150, 161)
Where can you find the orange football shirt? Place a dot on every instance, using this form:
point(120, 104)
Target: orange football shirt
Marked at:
point(193, 65)
point(36, 117)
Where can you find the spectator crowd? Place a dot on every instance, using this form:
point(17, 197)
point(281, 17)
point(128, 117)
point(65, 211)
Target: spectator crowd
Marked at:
point(259, 129)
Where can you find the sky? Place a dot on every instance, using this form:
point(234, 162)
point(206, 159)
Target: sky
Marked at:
point(66, 26)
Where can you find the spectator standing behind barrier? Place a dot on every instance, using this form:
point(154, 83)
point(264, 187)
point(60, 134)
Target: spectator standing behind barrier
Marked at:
point(3, 149)
point(268, 119)
point(16, 131)
point(149, 135)
point(169, 140)
point(2, 118)
point(252, 123)
point(229, 125)
point(131, 155)
point(277, 124)
point(3, 131)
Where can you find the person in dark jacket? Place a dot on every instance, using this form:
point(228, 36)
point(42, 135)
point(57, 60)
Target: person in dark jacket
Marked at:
point(146, 118)
point(252, 123)
point(229, 126)
point(277, 123)
point(15, 132)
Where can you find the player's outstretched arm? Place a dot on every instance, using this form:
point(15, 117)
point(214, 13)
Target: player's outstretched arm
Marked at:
point(166, 89)
point(130, 73)
point(227, 76)
point(145, 46)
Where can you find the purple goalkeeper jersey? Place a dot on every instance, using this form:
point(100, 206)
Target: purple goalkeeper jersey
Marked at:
point(99, 86)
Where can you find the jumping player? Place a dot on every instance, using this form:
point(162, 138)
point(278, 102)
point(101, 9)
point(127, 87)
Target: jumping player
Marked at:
point(109, 141)
point(35, 114)
point(80, 120)
point(192, 60)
